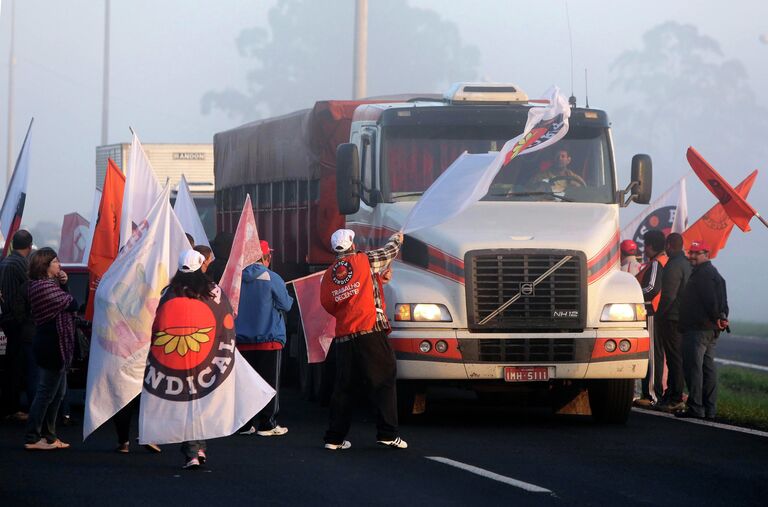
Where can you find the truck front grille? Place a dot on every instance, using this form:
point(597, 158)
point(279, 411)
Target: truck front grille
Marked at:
point(528, 350)
point(556, 302)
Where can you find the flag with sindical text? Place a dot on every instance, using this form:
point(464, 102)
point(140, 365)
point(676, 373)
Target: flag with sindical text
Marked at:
point(197, 385)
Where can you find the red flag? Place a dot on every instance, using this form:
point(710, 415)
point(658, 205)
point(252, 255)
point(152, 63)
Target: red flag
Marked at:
point(246, 250)
point(74, 236)
point(319, 326)
point(715, 226)
point(106, 235)
point(738, 209)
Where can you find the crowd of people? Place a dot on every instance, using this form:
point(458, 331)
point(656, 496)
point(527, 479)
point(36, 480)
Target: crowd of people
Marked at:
point(38, 318)
point(686, 304)
point(687, 308)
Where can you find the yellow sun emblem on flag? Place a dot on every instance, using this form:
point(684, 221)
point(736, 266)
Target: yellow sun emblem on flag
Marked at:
point(181, 339)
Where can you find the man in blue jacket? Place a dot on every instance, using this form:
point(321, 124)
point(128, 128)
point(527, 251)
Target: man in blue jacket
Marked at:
point(260, 328)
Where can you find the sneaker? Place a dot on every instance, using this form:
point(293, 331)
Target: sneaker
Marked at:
point(247, 431)
point(397, 443)
point(58, 444)
point(274, 432)
point(643, 402)
point(201, 457)
point(192, 464)
point(346, 444)
point(40, 445)
point(123, 448)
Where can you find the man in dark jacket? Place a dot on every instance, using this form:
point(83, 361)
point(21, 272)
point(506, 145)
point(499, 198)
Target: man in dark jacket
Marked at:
point(703, 315)
point(18, 326)
point(675, 277)
point(260, 328)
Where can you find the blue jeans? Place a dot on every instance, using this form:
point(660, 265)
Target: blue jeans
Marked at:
point(700, 371)
point(32, 375)
point(45, 407)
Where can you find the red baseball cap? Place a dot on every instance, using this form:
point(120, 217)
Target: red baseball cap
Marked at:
point(699, 246)
point(265, 250)
point(628, 247)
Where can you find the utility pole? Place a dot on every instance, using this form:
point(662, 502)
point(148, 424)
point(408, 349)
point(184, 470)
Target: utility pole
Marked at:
point(105, 80)
point(11, 65)
point(360, 77)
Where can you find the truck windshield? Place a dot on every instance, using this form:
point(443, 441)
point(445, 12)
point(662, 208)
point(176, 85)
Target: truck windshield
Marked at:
point(576, 169)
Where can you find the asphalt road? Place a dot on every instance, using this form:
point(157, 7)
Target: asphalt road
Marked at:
point(650, 461)
point(745, 349)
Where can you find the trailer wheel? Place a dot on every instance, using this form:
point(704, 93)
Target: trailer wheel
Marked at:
point(611, 399)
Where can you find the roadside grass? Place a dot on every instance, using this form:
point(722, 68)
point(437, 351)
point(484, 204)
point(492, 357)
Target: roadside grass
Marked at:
point(742, 397)
point(749, 328)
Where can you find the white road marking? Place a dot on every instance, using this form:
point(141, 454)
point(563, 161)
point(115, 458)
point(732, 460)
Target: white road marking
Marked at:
point(491, 475)
point(743, 365)
point(704, 422)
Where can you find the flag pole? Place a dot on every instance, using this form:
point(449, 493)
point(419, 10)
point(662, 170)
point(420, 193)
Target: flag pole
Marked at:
point(761, 218)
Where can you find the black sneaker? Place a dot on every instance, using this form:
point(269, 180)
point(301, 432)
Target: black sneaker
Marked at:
point(687, 414)
point(201, 457)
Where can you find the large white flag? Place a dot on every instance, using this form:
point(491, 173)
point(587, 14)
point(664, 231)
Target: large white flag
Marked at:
point(246, 249)
point(197, 385)
point(667, 213)
point(126, 300)
point(186, 211)
point(141, 190)
point(16, 194)
point(468, 179)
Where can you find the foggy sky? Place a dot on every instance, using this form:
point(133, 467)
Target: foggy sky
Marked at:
point(167, 54)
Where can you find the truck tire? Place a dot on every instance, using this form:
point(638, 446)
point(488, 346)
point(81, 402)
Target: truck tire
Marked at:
point(611, 399)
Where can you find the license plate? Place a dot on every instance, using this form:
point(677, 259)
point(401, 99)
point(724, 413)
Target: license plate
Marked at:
point(526, 373)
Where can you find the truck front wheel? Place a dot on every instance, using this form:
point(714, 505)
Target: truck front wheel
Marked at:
point(611, 399)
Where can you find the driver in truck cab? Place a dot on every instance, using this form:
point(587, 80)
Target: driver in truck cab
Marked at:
point(558, 176)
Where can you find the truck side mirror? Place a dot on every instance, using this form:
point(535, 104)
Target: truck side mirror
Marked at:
point(642, 173)
point(348, 178)
point(639, 189)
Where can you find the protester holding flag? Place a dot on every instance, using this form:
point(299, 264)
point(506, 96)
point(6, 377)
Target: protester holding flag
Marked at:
point(260, 328)
point(222, 247)
point(351, 294)
point(650, 278)
point(19, 328)
point(53, 309)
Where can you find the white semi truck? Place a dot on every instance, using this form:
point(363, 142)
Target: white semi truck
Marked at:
point(522, 291)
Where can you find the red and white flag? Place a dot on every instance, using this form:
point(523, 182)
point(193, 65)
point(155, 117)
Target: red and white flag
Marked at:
point(141, 190)
point(74, 238)
point(740, 211)
point(16, 195)
point(319, 326)
point(246, 250)
point(469, 177)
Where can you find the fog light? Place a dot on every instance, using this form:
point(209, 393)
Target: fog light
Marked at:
point(610, 346)
point(425, 346)
point(402, 312)
point(625, 345)
point(441, 346)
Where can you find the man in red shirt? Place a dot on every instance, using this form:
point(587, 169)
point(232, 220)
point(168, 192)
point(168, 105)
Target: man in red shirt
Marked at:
point(351, 294)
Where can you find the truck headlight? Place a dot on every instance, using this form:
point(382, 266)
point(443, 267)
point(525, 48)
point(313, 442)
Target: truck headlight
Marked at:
point(623, 312)
point(422, 312)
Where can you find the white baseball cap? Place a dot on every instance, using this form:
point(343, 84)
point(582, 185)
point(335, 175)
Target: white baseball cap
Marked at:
point(190, 261)
point(342, 240)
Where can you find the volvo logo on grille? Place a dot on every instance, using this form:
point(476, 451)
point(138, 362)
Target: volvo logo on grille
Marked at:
point(526, 289)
